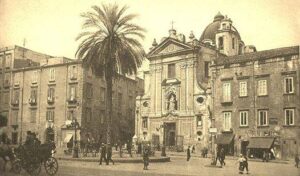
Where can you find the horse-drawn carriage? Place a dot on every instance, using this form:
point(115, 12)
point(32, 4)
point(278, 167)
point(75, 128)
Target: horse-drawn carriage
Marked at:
point(32, 157)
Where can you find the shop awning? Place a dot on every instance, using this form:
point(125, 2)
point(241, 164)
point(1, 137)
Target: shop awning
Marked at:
point(261, 142)
point(224, 139)
point(68, 138)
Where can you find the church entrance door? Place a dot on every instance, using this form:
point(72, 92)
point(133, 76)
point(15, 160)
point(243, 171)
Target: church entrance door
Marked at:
point(170, 134)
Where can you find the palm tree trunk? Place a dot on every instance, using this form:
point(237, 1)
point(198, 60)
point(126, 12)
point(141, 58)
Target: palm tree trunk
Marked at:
point(109, 104)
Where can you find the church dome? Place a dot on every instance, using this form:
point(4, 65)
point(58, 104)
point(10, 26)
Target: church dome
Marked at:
point(210, 31)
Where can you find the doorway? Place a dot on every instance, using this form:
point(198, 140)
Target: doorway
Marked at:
point(170, 134)
point(244, 145)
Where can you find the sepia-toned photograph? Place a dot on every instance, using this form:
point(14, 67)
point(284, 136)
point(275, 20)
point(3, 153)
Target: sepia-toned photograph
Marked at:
point(149, 87)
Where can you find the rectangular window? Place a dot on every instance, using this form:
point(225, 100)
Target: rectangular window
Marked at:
point(14, 120)
point(243, 89)
point(50, 115)
point(263, 118)
point(17, 80)
point(33, 116)
point(102, 94)
point(33, 96)
point(6, 98)
point(171, 71)
point(73, 73)
point(102, 116)
point(71, 114)
point(289, 116)
point(88, 113)
point(8, 61)
point(51, 94)
point(16, 97)
point(6, 80)
point(262, 88)
point(34, 77)
point(73, 93)
point(145, 122)
point(199, 120)
point(206, 69)
point(227, 121)
point(89, 90)
point(226, 92)
point(288, 85)
point(233, 43)
point(243, 118)
point(52, 74)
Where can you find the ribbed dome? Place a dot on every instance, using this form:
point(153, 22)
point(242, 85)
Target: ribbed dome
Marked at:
point(211, 30)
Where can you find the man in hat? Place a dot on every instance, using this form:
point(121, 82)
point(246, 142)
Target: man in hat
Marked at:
point(188, 154)
point(146, 157)
point(102, 153)
point(109, 155)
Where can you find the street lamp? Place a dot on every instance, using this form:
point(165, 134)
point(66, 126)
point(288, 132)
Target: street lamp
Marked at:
point(163, 148)
point(75, 124)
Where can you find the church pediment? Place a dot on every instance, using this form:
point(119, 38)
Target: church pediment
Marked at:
point(169, 45)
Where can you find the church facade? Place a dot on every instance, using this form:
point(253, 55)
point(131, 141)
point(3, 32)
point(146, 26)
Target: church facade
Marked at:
point(175, 109)
point(212, 92)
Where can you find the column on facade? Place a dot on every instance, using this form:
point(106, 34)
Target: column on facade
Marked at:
point(153, 89)
point(182, 97)
point(158, 89)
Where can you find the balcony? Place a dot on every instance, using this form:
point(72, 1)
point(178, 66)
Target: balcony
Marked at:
point(32, 101)
point(72, 100)
point(50, 100)
point(15, 102)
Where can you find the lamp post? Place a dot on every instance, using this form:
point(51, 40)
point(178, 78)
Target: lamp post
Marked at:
point(74, 125)
point(163, 148)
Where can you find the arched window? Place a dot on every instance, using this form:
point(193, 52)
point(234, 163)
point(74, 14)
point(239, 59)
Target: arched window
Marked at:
point(221, 43)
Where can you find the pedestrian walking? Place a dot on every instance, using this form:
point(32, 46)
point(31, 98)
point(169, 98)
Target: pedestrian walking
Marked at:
point(265, 156)
point(222, 157)
point(146, 157)
point(296, 160)
point(193, 149)
point(102, 153)
point(109, 155)
point(241, 161)
point(245, 164)
point(188, 154)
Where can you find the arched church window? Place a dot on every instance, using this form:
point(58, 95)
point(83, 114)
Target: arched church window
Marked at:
point(172, 102)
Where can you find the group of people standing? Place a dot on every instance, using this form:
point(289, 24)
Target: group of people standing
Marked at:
point(106, 154)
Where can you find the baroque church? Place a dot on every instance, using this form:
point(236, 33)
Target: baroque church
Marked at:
point(175, 109)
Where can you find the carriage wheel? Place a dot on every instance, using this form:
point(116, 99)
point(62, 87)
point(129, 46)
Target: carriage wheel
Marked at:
point(17, 167)
point(51, 166)
point(34, 169)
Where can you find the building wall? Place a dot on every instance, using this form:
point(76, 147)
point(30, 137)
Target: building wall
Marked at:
point(274, 70)
point(19, 73)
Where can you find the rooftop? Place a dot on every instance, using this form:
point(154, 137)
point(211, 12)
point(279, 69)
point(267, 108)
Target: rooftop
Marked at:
point(260, 55)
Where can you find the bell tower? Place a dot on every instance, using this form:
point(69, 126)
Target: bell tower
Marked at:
point(228, 40)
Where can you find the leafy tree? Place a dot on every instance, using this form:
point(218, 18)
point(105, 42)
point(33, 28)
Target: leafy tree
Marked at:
point(110, 45)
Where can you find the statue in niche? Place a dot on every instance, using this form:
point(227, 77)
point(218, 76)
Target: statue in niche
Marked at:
point(172, 102)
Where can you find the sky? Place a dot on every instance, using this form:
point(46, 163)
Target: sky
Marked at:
point(51, 26)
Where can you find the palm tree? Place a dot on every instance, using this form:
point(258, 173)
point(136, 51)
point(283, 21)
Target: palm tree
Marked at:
point(110, 46)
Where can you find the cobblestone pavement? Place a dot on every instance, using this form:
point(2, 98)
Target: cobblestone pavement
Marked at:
point(178, 166)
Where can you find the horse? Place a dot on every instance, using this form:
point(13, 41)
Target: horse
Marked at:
point(7, 154)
